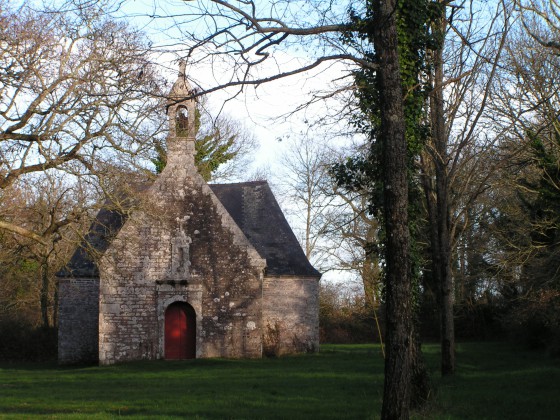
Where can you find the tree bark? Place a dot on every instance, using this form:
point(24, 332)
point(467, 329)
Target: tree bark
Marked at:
point(443, 249)
point(399, 337)
point(23, 232)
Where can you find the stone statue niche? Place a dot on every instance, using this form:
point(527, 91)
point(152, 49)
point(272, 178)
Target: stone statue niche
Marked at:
point(179, 269)
point(182, 121)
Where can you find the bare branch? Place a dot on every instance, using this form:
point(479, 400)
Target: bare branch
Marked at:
point(23, 232)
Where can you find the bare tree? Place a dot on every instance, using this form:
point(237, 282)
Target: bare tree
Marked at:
point(527, 108)
point(306, 180)
point(355, 237)
point(242, 39)
point(57, 210)
point(337, 232)
point(541, 19)
point(77, 90)
point(455, 171)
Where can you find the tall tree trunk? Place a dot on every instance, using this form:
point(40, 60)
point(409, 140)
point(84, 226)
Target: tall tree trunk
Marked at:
point(443, 248)
point(399, 336)
point(55, 307)
point(432, 285)
point(45, 293)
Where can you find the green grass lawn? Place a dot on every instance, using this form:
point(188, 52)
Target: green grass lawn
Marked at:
point(342, 382)
point(495, 381)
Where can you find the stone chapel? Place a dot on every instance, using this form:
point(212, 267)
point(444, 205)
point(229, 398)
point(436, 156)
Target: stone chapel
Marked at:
point(196, 271)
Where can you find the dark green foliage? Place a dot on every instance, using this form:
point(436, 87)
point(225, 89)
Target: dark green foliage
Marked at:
point(20, 341)
point(527, 229)
point(529, 223)
point(534, 321)
point(480, 320)
point(544, 211)
point(415, 38)
point(213, 149)
point(365, 173)
point(160, 158)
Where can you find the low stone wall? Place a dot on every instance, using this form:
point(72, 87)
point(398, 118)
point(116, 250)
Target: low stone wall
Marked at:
point(78, 331)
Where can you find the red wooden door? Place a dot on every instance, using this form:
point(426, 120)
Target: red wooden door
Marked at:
point(180, 331)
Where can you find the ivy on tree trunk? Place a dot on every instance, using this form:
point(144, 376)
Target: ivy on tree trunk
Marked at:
point(399, 338)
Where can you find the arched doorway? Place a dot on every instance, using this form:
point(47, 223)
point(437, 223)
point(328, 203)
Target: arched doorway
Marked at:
point(180, 331)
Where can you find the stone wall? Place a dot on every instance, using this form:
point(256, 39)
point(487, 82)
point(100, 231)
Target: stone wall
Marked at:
point(78, 320)
point(128, 326)
point(290, 315)
point(231, 274)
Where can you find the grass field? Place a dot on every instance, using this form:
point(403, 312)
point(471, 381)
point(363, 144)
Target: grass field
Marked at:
point(342, 382)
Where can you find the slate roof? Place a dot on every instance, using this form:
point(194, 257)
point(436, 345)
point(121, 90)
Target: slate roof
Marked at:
point(255, 210)
point(105, 226)
point(251, 205)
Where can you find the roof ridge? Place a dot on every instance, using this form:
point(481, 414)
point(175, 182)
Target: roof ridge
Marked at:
point(239, 183)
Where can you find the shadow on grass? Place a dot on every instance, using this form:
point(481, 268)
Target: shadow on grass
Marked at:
point(496, 381)
point(333, 384)
point(493, 381)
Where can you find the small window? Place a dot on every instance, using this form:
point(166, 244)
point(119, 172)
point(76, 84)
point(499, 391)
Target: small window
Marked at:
point(182, 122)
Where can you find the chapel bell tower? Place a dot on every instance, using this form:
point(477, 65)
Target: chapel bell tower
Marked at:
point(181, 114)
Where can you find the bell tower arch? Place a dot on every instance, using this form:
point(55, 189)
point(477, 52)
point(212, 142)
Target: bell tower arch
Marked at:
point(181, 111)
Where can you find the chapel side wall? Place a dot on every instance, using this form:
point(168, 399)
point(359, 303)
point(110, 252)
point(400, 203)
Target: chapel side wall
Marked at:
point(78, 322)
point(290, 315)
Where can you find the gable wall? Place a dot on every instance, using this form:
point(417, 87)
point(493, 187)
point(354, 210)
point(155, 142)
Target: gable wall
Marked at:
point(143, 271)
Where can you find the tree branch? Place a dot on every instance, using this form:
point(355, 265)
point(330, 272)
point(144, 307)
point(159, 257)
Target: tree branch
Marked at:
point(22, 232)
